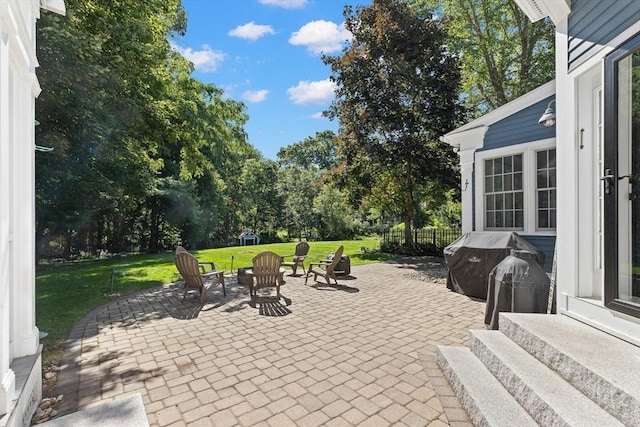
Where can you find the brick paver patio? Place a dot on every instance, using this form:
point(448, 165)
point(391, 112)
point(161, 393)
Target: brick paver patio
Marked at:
point(362, 354)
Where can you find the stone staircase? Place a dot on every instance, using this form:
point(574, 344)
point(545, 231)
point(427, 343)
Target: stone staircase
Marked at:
point(547, 370)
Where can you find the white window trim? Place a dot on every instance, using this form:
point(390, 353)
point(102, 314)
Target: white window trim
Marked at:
point(528, 151)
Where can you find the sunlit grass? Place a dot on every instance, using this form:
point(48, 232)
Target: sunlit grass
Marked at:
point(66, 292)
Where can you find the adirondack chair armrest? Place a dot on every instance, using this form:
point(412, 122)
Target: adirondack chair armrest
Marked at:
point(316, 264)
point(218, 274)
point(203, 264)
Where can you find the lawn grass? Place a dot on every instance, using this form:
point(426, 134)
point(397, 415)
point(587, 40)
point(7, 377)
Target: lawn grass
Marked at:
point(66, 292)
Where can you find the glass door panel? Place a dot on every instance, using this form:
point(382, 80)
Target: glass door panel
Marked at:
point(621, 178)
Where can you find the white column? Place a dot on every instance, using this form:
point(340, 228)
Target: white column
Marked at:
point(467, 142)
point(25, 332)
point(7, 376)
point(466, 188)
point(567, 187)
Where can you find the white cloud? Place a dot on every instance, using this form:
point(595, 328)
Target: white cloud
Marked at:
point(317, 92)
point(287, 4)
point(251, 31)
point(318, 115)
point(205, 60)
point(321, 36)
point(255, 96)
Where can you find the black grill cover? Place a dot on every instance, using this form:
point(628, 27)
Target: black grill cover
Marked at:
point(472, 257)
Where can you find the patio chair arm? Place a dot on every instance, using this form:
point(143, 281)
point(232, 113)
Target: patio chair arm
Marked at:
point(205, 263)
point(317, 264)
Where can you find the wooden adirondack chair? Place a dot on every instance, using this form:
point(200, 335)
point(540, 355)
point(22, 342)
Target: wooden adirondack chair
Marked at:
point(325, 268)
point(196, 275)
point(266, 273)
point(302, 249)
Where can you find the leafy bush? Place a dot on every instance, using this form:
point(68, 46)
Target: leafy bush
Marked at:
point(413, 249)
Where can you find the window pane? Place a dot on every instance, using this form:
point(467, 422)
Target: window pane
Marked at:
point(508, 164)
point(508, 182)
point(546, 183)
point(542, 179)
point(488, 167)
point(543, 199)
point(519, 199)
point(488, 184)
point(490, 202)
point(517, 181)
point(541, 159)
point(508, 201)
point(503, 192)
point(543, 218)
point(517, 163)
point(552, 218)
point(519, 219)
point(508, 219)
point(491, 220)
point(497, 166)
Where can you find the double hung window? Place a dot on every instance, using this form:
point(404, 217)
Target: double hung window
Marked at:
point(518, 190)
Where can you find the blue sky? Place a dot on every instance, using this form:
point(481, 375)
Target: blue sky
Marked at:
point(267, 54)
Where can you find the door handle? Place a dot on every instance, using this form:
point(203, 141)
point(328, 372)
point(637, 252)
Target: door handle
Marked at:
point(630, 176)
point(608, 180)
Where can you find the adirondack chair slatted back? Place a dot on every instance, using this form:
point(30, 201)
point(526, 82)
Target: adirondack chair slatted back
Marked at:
point(302, 249)
point(195, 275)
point(325, 269)
point(266, 272)
point(337, 256)
point(189, 269)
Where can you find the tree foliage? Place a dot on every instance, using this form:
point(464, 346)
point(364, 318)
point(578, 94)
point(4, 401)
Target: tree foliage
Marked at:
point(147, 157)
point(319, 151)
point(141, 148)
point(503, 54)
point(397, 93)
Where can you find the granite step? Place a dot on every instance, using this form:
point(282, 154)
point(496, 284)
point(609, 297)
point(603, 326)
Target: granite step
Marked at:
point(603, 367)
point(549, 399)
point(486, 401)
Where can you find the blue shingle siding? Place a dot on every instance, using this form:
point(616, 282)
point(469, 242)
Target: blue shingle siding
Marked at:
point(595, 23)
point(519, 128)
point(545, 244)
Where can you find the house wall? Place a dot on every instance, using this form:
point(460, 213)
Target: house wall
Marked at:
point(593, 24)
point(519, 128)
point(545, 244)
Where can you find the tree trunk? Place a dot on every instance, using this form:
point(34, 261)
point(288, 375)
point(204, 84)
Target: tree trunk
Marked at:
point(154, 229)
point(408, 238)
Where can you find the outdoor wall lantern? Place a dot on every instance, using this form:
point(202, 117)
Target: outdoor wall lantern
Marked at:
point(548, 119)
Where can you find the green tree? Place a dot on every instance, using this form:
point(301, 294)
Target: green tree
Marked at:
point(142, 150)
point(319, 151)
point(503, 54)
point(397, 93)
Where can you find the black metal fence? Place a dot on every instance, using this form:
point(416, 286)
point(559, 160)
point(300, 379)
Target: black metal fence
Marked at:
point(439, 237)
